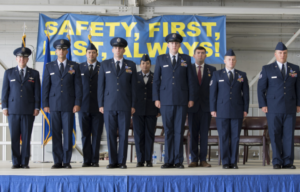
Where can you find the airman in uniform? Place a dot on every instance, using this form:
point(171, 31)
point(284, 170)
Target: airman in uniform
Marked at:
point(117, 101)
point(21, 100)
point(62, 97)
point(90, 119)
point(229, 103)
point(145, 116)
point(278, 92)
point(173, 93)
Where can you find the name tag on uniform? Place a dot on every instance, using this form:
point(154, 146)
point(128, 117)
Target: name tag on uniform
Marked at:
point(107, 71)
point(166, 66)
point(274, 77)
point(221, 80)
point(13, 80)
point(51, 73)
point(82, 74)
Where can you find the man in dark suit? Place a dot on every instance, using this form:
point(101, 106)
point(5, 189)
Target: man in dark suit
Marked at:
point(278, 94)
point(62, 96)
point(173, 93)
point(145, 116)
point(199, 115)
point(90, 119)
point(229, 103)
point(117, 101)
point(21, 103)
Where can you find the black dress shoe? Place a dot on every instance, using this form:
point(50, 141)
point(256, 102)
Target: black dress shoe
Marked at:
point(122, 166)
point(86, 165)
point(149, 164)
point(95, 164)
point(276, 166)
point(234, 166)
point(25, 167)
point(67, 166)
point(57, 166)
point(289, 166)
point(179, 166)
point(226, 166)
point(111, 166)
point(167, 166)
point(15, 166)
point(140, 164)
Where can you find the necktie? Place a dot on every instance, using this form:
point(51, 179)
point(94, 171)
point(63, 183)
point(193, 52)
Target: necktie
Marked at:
point(283, 71)
point(91, 69)
point(145, 79)
point(199, 74)
point(230, 77)
point(22, 74)
point(62, 68)
point(174, 61)
point(118, 67)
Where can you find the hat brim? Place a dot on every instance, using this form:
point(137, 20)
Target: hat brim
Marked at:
point(61, 47)
point(19, 52)
point(174, 40)
point(118, 45)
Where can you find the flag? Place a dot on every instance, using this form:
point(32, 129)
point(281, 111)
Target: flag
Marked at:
point(90, 39)
point(46, 133)
point(69, 57)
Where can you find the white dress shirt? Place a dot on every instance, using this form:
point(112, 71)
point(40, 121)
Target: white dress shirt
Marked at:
point(197, 69)
point(64, 63)
point(25, 68)
point(147, 77)
point(171, 56)
point(232, 70)
point(121, 63)
point(280, 66)
point(94, 64)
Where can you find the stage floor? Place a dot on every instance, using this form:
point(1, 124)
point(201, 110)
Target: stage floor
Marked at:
point(253, 167)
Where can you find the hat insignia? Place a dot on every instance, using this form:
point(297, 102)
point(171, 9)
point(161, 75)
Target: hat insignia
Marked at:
point(118, 40)
point(23, 49)
point(62, 41)
point(174, 35)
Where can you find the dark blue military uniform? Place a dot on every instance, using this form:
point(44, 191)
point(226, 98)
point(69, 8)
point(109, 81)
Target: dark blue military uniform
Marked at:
point(199, 115)
point(281, 95)
point(174, 88)
point(90, 119)
point(230, 101)
point(144, 119)
point(21, 96)
point(61, 92)
point(117, 94)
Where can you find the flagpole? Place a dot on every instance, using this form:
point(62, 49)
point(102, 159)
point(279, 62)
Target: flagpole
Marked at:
point(43, 150)
point(43, 145)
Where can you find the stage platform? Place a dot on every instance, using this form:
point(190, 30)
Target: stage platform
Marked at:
point(250, 177)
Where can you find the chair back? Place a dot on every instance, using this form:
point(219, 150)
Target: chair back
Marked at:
point(297, 124)
point(255, 123)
